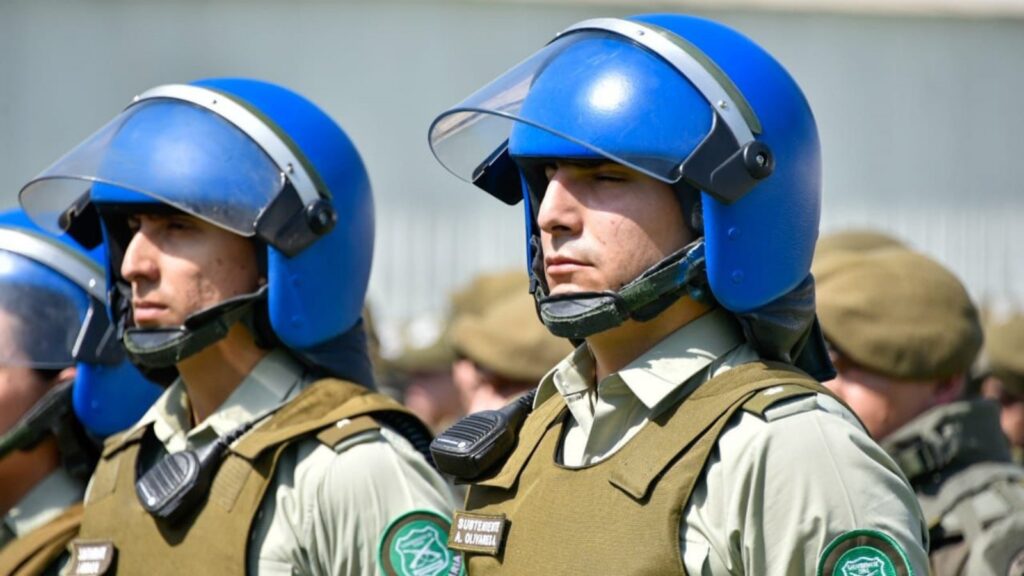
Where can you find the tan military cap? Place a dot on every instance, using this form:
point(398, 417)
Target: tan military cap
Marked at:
point(509, 340)
point(838, 245)
point(899, 313)
point(1004, 347)
point(856, 240)
point(485, 289)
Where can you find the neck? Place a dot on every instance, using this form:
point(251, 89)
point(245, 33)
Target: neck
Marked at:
point(614, 349)
point(211, 375)
point(21, 471)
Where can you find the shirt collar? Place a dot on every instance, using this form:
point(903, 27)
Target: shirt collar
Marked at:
point(275, 379)
point(657, 373)
point(47, 500)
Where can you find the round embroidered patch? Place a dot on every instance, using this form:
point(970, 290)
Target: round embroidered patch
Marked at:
point(416, 544)
point(863, 553)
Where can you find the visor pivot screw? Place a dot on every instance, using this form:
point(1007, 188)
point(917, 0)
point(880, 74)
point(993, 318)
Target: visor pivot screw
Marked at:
point(92, 282)
point(723, 105)
point(758, 160)
point(321, 217)
point(289, 168)
point(213, 102)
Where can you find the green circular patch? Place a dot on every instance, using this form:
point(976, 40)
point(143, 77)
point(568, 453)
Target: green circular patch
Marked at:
point(416, 544)
point(864, 561)
point(863, 553)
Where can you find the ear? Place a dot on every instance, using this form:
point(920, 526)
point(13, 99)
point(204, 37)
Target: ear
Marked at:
point(66, 374)
point(950, 389)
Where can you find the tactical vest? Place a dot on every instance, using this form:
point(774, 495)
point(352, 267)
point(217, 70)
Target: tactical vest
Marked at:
point(39, 551)
point(972, 496)
point(216, 539)
point(622, 515)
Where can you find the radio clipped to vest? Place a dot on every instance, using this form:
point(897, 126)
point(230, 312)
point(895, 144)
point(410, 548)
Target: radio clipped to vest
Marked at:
point(478, 442)
point(177, 484)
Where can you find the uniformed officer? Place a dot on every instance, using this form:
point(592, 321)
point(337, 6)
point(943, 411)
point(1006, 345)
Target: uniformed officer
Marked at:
point(502, 352)
point(904, 333)
point(671, 172)
point(426, 374)
point(48, 287)
point(1004, 351)
point(239, 221)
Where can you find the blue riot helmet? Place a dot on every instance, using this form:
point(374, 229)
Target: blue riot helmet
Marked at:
point(255, 159)
point(684, 100)
point(53, 316)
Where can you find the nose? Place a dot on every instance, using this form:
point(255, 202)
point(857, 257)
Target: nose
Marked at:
point(139, 261)
point(559, 210)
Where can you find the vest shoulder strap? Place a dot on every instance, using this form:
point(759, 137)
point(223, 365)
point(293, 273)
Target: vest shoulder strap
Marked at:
point(325, 403)
point(709, 407)
point(39, 549)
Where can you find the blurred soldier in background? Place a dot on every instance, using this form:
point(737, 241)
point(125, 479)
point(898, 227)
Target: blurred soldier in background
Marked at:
point(853, 240)
point(1004, 383)
point(424, 375)
point(904, 333)
point(239, 223)
point(502, 352)
point(671, 173)
point(48, 355)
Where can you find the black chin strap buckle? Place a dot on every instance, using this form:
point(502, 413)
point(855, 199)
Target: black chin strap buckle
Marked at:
point(164, 347)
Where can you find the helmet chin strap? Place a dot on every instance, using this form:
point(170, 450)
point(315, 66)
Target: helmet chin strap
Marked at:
point(165, 347)
point(581, 314)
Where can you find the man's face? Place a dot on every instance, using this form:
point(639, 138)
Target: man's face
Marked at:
point(178, 265)
point(1011, 413)
point(602, 225)
point(20, 386)
point(882, 403)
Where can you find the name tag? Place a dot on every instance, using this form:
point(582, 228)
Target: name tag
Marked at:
point(479, 533)
point(90, 557)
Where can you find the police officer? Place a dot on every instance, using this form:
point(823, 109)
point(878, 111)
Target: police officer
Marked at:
point(239, 222)
point(671, 173)
point(426, 374)
point(48, 289)
point(904, 334)
point(1004, 383)
point(502, 352)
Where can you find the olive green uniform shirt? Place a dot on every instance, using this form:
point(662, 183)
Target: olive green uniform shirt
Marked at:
point(325, 509)
point(45, 502)
point(775, 492)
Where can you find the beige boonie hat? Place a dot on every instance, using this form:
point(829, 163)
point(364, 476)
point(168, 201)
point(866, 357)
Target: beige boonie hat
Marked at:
point(509, 340)
point(1004, 348)
point(899, 313)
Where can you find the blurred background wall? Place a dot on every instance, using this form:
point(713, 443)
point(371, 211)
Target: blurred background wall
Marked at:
point(918, 103)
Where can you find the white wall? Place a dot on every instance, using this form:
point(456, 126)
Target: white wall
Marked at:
point(920, 117)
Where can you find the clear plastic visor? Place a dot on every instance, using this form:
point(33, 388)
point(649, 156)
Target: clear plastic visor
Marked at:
point(601, 109)
point(41, 314)
point(172, 151)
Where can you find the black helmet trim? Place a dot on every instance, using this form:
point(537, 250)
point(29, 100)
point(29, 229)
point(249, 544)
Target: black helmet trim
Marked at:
point(152, 348)
point(581, 314)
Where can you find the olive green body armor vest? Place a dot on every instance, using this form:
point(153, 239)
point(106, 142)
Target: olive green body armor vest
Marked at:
point(215, 540)
point(620, 516)
point(972, 495)
point(39, 551)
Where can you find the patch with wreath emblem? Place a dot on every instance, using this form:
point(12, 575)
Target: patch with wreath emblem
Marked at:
point(863, 553)
point(416, 544)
